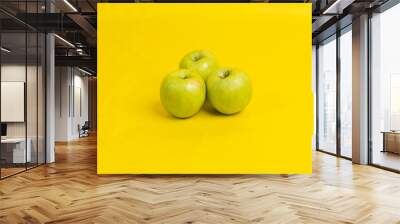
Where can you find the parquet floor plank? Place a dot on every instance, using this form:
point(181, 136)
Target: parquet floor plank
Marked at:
point(70, 191)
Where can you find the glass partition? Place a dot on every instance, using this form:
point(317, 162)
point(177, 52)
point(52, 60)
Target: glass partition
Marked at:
point(41, 91)
point(32, 96)
point(22, 78)
point(14, 145)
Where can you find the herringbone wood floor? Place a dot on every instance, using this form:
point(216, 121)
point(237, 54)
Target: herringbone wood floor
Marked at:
point(69, 191)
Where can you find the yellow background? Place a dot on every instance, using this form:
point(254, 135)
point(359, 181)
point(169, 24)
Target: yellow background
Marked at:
point(140, 43)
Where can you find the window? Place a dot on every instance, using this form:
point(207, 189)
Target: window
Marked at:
point(327, 96)
point(346, 93)
point(333, 137)
point(385, 89)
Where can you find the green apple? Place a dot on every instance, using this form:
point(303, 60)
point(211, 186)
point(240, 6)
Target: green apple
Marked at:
point(201, 61)
point(229, 90)
point(182, 93)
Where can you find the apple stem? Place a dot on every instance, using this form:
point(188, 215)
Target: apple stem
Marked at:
point(225, 74)
point(197, 57)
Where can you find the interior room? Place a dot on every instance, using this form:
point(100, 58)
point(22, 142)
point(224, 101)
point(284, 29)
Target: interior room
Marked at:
point(22, 101)
point(50, 95)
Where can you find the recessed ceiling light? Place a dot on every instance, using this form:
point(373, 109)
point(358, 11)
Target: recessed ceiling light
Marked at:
point(337, 7)
point(5, 50)
point(84, 71)
point(70, 5)
point(64, 40)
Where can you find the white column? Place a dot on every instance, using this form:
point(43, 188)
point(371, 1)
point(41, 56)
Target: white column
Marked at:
point(360, 90)
point(50, 98)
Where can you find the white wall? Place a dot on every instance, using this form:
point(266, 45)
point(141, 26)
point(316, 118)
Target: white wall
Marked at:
point(71, 102)
point(62, 82)
point(78, 103)
point(9, 73)
point(12, 101)
point(12, 73)
point(83, 83)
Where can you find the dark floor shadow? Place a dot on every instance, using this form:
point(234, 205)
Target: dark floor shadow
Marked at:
point(207, 107)
point(210, 109)
point(158, 109)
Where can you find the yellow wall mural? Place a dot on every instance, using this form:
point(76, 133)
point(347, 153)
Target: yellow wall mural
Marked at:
point(139, 44)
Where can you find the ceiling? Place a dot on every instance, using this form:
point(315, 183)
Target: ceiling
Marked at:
point(329, 16)
point(75, 22)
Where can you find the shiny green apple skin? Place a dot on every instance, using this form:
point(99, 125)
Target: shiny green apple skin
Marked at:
point(229, 90)
point(203, 62)
point(182, 93)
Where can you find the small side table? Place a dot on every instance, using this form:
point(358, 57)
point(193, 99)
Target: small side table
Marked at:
point(16, 149)
point(391, 141)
